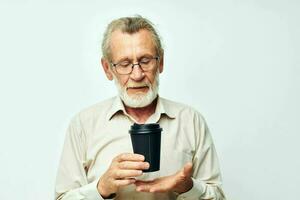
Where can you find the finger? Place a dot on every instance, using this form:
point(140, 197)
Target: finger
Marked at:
point(140, 182)
point(188, 169)
point(150, 187)
point(124, 182)
point(157, 185)
point(143, 188)
point(130, 157)
point(158, 188)
point(133, 165)
point(120, 174)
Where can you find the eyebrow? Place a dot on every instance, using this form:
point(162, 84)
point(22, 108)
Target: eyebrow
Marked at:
point(138, 58)
point(124, 59)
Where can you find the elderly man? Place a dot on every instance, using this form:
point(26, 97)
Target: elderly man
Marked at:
point(96, 162)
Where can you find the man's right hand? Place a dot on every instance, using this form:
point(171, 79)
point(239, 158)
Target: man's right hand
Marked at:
point(121, 172)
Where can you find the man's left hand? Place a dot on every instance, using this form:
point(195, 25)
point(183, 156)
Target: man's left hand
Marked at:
point(180, 182)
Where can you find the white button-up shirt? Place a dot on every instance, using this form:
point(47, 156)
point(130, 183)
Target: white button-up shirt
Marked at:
point(99, 133)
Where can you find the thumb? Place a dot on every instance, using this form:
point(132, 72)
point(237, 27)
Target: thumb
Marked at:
point(188, 169)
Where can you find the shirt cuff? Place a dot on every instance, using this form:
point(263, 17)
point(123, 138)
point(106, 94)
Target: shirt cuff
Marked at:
point(90, 191)
point(194, 193)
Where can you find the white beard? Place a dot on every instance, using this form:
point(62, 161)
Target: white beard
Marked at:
point(138, 100)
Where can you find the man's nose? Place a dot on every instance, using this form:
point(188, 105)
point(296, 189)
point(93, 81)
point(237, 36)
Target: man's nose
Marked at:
point(137, 73)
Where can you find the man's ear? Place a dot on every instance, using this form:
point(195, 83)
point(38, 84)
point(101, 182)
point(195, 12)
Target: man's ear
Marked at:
point(106, 68)
point(161, 64)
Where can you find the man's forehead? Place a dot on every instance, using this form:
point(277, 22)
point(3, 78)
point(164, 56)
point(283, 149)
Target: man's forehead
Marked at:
point(125, 43)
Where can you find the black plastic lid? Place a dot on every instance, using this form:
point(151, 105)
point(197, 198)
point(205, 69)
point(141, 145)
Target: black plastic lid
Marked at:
point(145, 128)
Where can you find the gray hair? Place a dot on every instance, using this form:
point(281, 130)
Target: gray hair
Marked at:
point(130, 25)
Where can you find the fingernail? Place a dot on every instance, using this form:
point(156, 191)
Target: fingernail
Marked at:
point(147, 165)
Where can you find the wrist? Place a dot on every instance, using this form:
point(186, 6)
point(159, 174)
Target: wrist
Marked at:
point(185, 187)
point(102, 190)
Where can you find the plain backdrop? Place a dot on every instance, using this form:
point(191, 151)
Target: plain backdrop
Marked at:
point(237, 62)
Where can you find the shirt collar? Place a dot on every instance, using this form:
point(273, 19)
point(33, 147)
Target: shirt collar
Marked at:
point(162, 108)
point(116, 106)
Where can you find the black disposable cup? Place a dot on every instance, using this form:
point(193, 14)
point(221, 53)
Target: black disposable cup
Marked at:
point(145, 139)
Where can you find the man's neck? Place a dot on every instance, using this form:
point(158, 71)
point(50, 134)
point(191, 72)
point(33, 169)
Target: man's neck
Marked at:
point(142, 114)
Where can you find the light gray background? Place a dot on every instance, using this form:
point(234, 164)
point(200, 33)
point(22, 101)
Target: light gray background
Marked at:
point(237, 62)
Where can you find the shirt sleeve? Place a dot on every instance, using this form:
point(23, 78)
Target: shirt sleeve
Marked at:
point(206, 172)
point(71, 180)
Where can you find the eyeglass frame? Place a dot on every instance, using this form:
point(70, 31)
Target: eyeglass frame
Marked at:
point(133, 64)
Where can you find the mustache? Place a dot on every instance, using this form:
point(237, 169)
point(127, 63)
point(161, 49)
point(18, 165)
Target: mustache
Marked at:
point(136, 85)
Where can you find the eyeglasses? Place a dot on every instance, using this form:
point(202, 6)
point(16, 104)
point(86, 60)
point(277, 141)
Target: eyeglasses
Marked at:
point(126, 67)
